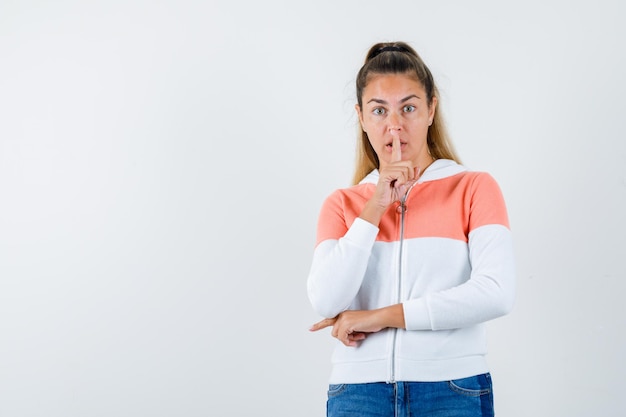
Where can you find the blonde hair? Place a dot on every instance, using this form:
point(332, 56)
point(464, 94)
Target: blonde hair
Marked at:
point(399, 58)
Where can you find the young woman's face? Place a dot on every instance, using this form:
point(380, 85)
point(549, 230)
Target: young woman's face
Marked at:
point(397, 103)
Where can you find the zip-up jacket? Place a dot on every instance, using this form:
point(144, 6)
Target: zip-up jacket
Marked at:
point(445, 253)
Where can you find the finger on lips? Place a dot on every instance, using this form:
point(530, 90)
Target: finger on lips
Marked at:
point(396, 148)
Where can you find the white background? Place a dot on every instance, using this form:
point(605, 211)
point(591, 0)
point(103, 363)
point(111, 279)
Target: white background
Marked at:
point(162, 164)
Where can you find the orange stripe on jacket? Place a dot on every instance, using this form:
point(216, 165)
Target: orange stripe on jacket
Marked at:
point(450, 207)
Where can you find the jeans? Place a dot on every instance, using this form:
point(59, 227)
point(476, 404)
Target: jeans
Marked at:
point(466, 397)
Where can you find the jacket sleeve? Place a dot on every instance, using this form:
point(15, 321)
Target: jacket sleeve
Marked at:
point(490, 290)
point(340, 259)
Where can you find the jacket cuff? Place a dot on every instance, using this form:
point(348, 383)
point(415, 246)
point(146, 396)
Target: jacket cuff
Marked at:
point(416, 314)
point(362, 234)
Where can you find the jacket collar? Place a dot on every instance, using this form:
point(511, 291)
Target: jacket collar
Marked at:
point(441, 168)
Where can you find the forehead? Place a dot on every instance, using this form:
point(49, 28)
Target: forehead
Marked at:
point(392, 86)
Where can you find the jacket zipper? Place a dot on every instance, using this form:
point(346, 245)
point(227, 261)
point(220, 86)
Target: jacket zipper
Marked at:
point(402, 208)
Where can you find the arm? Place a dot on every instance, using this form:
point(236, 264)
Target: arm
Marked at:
point(489, 292)
point(339, 263)
point(335, 278)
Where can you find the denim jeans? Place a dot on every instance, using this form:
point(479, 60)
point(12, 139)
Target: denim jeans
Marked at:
point(467, 397)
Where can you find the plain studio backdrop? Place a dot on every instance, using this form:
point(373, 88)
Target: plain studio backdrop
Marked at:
point(162, 165)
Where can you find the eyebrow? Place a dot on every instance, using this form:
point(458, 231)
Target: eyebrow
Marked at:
point(380, 101)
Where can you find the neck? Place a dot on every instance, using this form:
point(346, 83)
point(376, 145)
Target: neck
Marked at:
point(424, 164)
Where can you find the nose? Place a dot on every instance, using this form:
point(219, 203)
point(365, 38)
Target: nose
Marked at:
point(393, 123)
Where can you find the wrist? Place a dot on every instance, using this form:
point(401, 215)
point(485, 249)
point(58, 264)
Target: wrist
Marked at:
point(372, 212)
point(392, 316)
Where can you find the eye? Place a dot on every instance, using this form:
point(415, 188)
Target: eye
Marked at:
point(408, 108)
point(378, 111)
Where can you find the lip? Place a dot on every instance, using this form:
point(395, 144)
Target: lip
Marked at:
point(390, 145)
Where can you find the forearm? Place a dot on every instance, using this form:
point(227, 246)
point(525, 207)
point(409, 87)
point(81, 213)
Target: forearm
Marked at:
point(390, 317)
point(372, 212)
point(352, 326)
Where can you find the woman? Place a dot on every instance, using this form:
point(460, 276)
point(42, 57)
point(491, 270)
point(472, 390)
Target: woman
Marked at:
point(412, 260)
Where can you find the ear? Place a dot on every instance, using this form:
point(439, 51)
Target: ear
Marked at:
point(360, 115)
point(431, 111)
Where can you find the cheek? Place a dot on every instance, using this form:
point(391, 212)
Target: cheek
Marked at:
point(371, 130)
point(374, 143)
point(375, 131)
point(368, 125)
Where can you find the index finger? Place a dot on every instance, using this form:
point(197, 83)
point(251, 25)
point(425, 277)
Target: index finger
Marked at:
point(396, 152)
point(322, 324)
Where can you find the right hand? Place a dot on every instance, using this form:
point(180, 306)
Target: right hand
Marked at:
point(394, 178)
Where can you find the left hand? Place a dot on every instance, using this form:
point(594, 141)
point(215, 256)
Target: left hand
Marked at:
point(352, 326)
